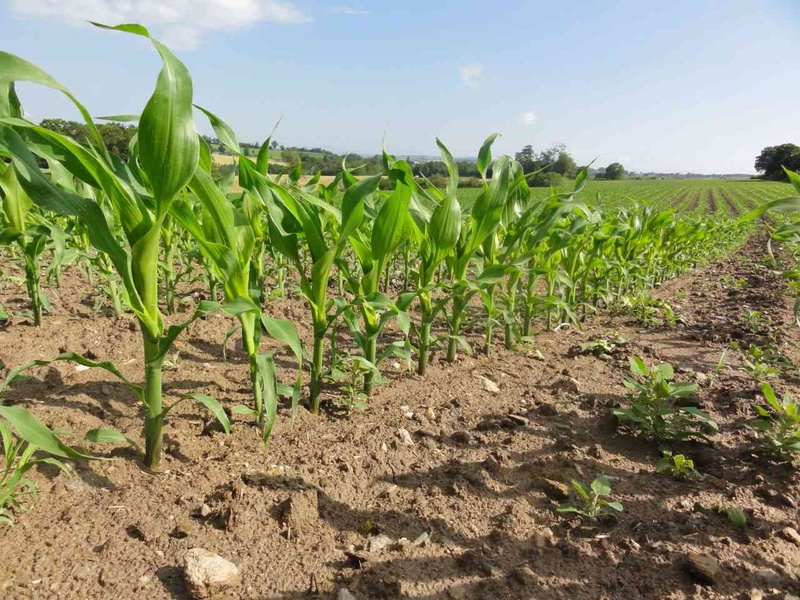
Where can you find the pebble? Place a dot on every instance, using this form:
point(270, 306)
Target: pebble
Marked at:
point(378, 542)
point(207, 574)
point(705, 569)
point(548, 410)
point(430, 414)
point(422, 539)
point(490, 386)
point(790, 534)
point(555, 490)
point(344, 594)
point(520, 420)
point(461, 437)
point(405, 437)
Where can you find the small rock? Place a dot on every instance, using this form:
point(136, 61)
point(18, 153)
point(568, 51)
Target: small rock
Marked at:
point(769, 577)
point(184, 528)
point(344, 594)
point(755, 594)
point(490, 386)
point(523, 575)
point(520, 420)
point(790, 534)
point(461, 437)
point(430, 414)
point(555, 490)
point(378, 542)
point(702, 567)
point(422, 539)
point(548, 410)
point(568, 384)
point(207, 573)
point(409, 414)
point(405, 437)
point(204, 511)
point(457, 592)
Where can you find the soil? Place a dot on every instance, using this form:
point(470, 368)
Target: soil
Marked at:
point(465, 510)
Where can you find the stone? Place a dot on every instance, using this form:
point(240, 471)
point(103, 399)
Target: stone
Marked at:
point(790, 534)
point(430, 414)
point(344, 594)
point(405, 437)
point(523, 575)
point(548, 410)
point(184, 528)
point(422, 539)
point(520, 420)
point(461, 437)
point(703, 568)
point(378, 542)
point(490, 386)
point(769, 577)
point(555, 490)
point(207, 573)
point(457, 592)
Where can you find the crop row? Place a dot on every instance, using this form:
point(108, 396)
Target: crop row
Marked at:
point(412, 258)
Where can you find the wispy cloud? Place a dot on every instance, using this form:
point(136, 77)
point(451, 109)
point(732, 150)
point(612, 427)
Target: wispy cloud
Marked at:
point(350, 11)
point(471, 75)
point(528, 118)
point(180, 23)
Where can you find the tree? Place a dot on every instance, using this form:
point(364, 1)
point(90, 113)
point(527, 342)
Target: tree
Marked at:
point(773, 158)
point(565, 165)
point(614, 171)
point(526, 158)
point(274, 145)
point(116, 136)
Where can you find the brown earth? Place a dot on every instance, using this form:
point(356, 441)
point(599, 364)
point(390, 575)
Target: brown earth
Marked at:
point(302, 517)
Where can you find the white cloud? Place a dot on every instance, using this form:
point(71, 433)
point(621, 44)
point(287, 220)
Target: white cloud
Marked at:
point(471, 75)
point(349, 11)
point(528, 118)
point(180, 23)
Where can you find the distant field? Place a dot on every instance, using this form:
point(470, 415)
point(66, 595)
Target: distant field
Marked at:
point(697, 196)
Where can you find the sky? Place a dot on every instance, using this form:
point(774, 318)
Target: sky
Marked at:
point(682, 86)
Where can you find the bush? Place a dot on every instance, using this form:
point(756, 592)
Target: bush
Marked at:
point(547, 179)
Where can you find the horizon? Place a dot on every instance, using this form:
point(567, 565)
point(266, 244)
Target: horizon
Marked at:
point(610, 83)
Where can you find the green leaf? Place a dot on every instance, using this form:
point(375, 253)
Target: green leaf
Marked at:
point(601, 486)
point(36, 433)
point(224, 132)
point(107, 436)
point(214, 406)
point(485, 154)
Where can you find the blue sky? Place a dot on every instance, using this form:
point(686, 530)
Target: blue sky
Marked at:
point(659, 86)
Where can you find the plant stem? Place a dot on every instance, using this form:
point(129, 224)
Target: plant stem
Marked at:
point(154, 420)
point(315, 384)
point(372, 350)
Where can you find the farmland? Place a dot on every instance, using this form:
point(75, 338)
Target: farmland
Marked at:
point(377, 387)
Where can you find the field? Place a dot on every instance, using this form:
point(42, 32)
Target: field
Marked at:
point(694, 196)
point(366, 388)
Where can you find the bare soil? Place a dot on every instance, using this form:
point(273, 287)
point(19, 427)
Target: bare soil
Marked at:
point(302, 517)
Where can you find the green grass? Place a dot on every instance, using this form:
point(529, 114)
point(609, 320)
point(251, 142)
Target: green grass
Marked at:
point(691, 196)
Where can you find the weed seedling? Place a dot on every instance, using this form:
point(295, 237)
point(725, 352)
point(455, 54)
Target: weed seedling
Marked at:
point(592, 500)
point(677, 466)
point(653, 410)
point(779, 422)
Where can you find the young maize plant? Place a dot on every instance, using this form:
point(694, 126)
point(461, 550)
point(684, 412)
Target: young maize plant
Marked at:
point(22, 226)
point(391, 226)
point(294, 214)
point(227, 240)
point(168, 152)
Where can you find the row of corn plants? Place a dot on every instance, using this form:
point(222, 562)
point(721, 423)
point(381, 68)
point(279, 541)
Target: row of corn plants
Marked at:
point(407, 268)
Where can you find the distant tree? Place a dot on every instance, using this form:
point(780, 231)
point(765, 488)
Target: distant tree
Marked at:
point(773, 158)
point(292, 157)
point(526, 158)
point(274, 145)
point(116, 136)
point(565, 165)
point(614, 171)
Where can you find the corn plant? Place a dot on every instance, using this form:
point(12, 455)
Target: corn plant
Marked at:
point(167, 152)
point(21, 225)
